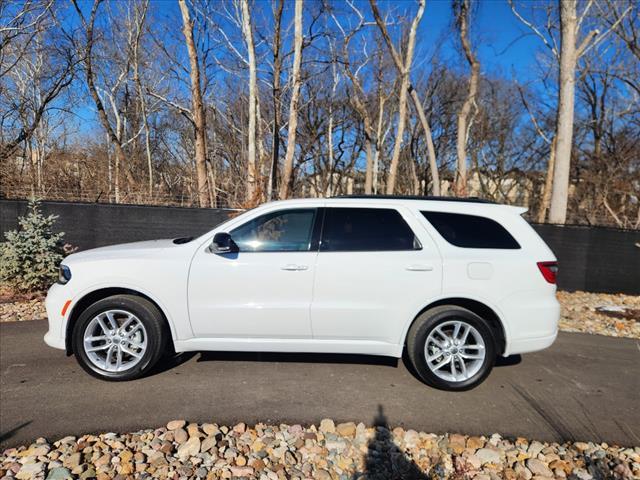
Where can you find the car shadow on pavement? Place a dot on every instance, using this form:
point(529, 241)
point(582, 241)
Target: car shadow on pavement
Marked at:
point(384, 459)
point(339, 358)
point(500, 362)
point(169, 362)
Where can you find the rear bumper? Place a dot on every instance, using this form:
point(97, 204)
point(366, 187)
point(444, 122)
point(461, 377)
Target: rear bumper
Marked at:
point(531, 321)
point(527, 345)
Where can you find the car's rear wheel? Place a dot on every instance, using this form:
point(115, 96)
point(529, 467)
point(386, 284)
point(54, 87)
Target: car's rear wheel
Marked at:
point(451, 348)
point(119, 338)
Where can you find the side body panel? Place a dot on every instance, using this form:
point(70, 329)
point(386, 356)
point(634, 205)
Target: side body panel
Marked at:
point(368, 296)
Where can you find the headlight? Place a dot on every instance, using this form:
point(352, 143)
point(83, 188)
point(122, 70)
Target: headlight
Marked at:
point(64, 274)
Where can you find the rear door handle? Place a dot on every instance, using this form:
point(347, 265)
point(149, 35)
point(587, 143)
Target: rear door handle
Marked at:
point(292, 267)
point(420, 268)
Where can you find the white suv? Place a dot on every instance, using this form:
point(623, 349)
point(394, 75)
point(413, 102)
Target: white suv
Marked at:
point(455, 283)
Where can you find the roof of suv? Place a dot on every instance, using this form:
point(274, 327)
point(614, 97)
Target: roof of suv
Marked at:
point(416, 197)
point(452, 204)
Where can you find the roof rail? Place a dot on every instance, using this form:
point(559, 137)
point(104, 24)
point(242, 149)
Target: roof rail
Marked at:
point(419, 197)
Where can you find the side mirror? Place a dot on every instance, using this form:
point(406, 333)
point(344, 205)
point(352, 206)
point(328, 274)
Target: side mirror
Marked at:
point(223, 243)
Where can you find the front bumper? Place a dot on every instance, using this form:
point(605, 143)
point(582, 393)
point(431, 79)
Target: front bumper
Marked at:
point(57, 297)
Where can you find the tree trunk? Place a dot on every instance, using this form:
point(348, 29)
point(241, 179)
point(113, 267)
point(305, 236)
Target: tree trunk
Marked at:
point(275, 93)
point(404, 69)
point(143, 106)
point(431, 151)
point(397, 145)
point(293, 107)
point(368, 143)
point(564, 128)
point(548, 184)
point(197, 106)
point(460, 187)
point(251, 145)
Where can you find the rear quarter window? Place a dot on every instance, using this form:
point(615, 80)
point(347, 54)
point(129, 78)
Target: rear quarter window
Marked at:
point(471, 231)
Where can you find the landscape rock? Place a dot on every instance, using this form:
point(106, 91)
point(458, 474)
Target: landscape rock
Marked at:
point(176, 424)
point(189, 449)
point(329, 451)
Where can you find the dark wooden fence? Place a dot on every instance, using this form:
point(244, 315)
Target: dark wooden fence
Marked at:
point(592, 259)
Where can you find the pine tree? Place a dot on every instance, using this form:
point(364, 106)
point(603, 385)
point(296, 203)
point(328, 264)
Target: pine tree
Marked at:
point(30, 256)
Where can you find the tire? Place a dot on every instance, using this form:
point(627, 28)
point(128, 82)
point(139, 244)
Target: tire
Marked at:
point(427, 327)
point(144, 337)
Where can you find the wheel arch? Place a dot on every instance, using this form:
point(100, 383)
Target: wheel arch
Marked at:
point(94, 296)
point(476, 306)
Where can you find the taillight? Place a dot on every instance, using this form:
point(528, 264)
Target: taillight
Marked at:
point(549, 270)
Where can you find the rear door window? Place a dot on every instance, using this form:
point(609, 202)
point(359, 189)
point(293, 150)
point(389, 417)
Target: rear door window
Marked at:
point(366, 230)
point(471, 231)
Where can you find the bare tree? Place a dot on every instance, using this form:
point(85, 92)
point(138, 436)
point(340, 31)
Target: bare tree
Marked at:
point(462, 12)
point(404, 70)
point(140, 17)
point(570, 51)
point(287, 174)
point(31, 47)
point(247, 30)
point(197, 105)
point(114, 135)
point(358, 95)
point(276, 94)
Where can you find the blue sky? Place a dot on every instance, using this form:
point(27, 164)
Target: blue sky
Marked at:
point(505, 47)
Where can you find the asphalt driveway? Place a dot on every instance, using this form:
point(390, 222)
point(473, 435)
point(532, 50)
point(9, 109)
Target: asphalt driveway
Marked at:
point(586, 387)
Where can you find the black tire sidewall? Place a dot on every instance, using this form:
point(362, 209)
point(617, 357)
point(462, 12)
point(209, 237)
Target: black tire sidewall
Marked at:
point(146, 312)
point(425, 324)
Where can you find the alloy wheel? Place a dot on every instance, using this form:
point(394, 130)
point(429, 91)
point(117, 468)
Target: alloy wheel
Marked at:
point(454, 351)
point(115, 340)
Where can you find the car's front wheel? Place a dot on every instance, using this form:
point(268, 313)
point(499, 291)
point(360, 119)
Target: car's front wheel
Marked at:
point(451, 348)
point(119, 338)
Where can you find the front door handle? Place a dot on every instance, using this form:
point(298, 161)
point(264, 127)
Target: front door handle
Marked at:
point(292, 267)
point(420, 268)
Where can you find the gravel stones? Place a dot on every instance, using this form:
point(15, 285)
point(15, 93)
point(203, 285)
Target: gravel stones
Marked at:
point(19, 311)
point(327, 451)
point(189, 449)
point(176, 424)
point(327, 426)
point(537, 467)
point(614, 315)
point(486, 455)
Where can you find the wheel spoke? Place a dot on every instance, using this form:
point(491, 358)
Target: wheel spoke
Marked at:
point(131, 352)
point(112, 320)
point(103, 326)
point(98, 348)
point(96, 339)
point(466, 356)
point(443, 335)
point(135, 344)
point(108, 360)
point(465, 335)
point(442, 364)
point(463, 367)
point(453, 368)
point(137, 327)
point(474, 347)
point(128, 322)
point(434, 357)
point(118, 358)
point(456, 330)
